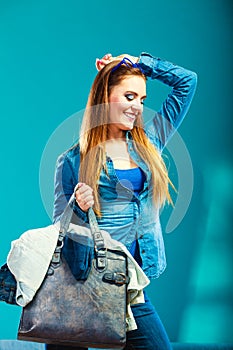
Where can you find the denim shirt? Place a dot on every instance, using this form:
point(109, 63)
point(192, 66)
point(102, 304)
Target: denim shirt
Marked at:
point(127, 216)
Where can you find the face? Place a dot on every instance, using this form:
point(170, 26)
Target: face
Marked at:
point(126, 105)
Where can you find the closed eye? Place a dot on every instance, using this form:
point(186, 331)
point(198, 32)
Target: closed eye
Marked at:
point(131, 97)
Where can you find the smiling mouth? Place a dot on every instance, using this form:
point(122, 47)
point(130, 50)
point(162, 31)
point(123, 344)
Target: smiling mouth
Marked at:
point(131, 116)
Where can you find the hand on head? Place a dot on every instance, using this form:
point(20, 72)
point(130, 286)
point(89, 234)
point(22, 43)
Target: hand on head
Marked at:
point(102, 62)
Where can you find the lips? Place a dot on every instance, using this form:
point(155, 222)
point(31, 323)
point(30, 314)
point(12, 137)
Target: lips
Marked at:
point(131, 116)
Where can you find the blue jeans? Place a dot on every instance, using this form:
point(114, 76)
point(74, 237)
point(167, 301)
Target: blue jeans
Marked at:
point(150, 334)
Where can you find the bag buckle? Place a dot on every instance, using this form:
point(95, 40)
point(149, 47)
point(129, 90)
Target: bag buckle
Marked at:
point(101, 259)
point(116, 277)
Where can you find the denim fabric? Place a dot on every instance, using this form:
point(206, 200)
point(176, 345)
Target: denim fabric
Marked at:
point(150, 334)
point(8, 285)
point(127, 216)
point(20, 345)
point(79, 258)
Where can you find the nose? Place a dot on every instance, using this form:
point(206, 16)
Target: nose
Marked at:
point(137, 106)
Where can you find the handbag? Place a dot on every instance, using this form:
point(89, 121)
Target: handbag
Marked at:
point(85, 313)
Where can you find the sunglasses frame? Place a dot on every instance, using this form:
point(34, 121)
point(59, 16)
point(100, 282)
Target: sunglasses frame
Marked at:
point(124, 61)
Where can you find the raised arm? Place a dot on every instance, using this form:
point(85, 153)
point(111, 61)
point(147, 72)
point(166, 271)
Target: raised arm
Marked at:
point(173, 110)
point(165, 122)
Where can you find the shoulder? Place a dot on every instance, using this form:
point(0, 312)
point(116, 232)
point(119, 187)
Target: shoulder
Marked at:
point(70, 158)
point(71, 153)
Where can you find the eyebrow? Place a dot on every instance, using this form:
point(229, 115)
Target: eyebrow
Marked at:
point(135, 93)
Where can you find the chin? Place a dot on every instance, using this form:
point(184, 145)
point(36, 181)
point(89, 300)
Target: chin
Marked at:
point(128, 126)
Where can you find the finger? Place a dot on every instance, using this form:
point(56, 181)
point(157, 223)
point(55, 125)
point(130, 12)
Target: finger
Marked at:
point(78, 186)
point(85, 205)
point(82, 201)
point(87, 199)
point(97, 63)
point(107, 56)
point(85, 190)
point(89, 204)
point(84, 196)
point(101, 63)
point(106, 60)
point(77, 190)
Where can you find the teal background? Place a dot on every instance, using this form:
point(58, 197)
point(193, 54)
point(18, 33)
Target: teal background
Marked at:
point(47, 54)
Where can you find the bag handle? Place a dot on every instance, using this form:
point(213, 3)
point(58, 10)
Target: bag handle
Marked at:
point(99, 244)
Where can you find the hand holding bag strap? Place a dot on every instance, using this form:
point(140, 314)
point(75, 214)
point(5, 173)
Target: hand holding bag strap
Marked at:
point(98, 239)
point(73, 312)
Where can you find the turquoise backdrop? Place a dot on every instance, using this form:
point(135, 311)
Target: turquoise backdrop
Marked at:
point(47, 54)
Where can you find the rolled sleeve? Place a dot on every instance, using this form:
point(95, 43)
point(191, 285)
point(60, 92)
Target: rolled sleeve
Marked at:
point(173, 110)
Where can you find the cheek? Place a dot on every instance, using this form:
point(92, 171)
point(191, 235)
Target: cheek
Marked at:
point(115, 110)
point(116, 106)
point(114, 99)
point(118, 103)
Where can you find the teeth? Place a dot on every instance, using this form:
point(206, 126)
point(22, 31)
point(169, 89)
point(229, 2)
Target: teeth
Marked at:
point(130, 115)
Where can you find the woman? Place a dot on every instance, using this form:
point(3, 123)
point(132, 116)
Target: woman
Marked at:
point(117, 168)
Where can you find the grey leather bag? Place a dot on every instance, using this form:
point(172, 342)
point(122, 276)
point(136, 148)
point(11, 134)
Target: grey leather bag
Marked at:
point(90, 313)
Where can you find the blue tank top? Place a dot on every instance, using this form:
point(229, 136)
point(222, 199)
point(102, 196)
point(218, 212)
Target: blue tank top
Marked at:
point(131, 178)
point(134, 180)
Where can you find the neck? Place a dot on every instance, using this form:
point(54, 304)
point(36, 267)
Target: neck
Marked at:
point(115, 133)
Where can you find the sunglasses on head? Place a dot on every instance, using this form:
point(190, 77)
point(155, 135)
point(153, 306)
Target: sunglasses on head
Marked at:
point(128, 63)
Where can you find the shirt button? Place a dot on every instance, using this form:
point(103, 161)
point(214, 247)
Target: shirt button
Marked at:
point(143, 251)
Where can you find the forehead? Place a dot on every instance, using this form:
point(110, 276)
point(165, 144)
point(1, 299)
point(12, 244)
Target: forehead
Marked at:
point(132, 83)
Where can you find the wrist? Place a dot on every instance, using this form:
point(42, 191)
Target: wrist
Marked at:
point(147, 62)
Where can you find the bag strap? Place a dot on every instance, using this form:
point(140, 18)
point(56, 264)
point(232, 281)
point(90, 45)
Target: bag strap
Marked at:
point(100, 249)
point(99, 244)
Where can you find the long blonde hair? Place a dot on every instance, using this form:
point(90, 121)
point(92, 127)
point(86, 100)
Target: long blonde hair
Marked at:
point(94, 133)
